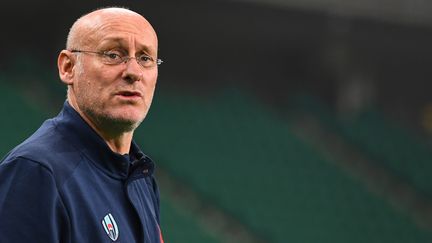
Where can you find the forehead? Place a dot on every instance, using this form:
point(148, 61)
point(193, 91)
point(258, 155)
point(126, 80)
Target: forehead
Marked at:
point(122, 30)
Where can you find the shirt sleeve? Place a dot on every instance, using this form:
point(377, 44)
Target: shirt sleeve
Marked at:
point(31, 209)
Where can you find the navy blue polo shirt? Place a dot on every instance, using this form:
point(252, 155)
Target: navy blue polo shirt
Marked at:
point(64, 184)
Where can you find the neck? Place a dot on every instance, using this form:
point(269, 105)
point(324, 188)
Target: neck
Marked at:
point(119, 144)
point(117, 139)
point(113, 133)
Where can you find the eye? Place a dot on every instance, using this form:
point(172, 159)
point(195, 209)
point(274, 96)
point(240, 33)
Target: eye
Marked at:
point(112, 55)
point(145, 58)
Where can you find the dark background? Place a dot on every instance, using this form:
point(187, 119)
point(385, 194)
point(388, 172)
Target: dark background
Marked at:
point(274, 50)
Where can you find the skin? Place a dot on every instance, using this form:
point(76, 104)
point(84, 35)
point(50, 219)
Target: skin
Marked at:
point(112, 99)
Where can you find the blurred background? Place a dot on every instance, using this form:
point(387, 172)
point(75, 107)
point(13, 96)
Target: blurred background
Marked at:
point(273, 120)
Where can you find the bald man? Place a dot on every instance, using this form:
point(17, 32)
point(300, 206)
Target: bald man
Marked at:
point(80, 177)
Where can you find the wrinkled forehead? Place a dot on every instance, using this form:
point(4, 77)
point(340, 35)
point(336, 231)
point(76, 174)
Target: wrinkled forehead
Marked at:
point(118, 29)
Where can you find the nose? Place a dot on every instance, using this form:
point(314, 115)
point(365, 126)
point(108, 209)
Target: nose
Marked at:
point(133, 71)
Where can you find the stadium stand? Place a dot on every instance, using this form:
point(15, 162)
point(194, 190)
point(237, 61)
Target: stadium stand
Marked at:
point(181, 226)
point(379, 138)
point(234, 152)
point(19, 118)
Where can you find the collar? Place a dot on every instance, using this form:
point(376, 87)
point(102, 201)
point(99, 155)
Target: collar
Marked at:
point(76, 130)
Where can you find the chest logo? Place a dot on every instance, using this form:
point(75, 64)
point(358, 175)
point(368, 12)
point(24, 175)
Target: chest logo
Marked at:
point(110, 227)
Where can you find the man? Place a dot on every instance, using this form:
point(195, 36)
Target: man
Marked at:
point(80, 177)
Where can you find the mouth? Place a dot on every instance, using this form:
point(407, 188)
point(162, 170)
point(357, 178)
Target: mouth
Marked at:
point(129, 94)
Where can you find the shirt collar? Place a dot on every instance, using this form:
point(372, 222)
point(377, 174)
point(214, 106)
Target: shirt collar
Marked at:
point(76, 130)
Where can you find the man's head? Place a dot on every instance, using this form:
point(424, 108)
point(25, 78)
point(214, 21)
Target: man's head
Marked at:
point(110, 90)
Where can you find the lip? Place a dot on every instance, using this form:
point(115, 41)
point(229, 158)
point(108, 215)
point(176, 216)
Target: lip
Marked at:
point(129, 94)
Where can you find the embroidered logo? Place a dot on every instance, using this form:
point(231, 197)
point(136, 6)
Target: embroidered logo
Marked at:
point(110, 227)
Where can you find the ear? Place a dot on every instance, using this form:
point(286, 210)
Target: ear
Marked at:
point(65, 65)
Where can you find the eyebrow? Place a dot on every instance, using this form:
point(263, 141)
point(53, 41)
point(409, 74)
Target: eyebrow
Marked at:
point(121, 42)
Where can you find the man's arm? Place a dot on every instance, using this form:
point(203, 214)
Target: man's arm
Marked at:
point(31, 209)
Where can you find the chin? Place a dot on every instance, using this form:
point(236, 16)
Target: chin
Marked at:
point(133, 116)
point(121, 124)
point(121, 121)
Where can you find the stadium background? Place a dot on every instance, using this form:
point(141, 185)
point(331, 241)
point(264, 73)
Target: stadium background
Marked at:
point(273, 121)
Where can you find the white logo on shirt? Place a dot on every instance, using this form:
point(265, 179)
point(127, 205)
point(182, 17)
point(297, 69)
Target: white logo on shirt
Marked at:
point(110, 227)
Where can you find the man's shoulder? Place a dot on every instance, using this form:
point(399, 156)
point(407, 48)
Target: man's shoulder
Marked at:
point(48, 148)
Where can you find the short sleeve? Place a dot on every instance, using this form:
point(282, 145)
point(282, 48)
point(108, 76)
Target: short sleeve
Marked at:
point(31, 209)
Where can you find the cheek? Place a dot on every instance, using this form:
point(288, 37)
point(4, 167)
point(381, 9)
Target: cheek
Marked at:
point(91, 90)
point(150, 79)
point(98, 84)
point(150, 85)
